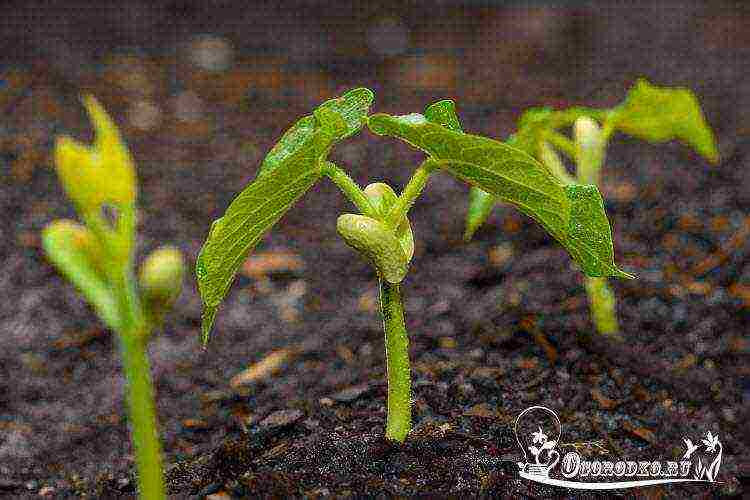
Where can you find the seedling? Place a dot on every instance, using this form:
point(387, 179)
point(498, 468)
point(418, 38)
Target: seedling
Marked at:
point(573, 213)
point(649, 112)
point(97, 257)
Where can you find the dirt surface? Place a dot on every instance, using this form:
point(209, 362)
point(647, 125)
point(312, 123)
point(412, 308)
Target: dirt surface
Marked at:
point(496, 325)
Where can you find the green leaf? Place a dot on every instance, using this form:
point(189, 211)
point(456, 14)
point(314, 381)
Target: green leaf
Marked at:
point(74, 250)
point(589, 238)
point(480, 202)
point(658, 114)
point(515, 177)
point(290, 169)
point(444, 113)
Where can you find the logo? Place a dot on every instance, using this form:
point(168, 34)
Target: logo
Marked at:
point(538, 432)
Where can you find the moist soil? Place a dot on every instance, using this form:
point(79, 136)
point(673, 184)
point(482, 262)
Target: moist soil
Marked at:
point(289, 397)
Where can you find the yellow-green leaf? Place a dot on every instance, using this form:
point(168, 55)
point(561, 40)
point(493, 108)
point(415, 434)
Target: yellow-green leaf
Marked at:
point(660, 114)
point(75, 252)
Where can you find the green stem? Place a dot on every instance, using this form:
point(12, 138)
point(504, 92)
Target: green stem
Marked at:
point(411, 192)
point(562, 143)
point(603, 307)
point(351, 190)
point(133, 334)
point(397, 362)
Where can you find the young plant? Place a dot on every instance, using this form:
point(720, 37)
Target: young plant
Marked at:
point(97, 257)
point(649, 112)
point(381, 233)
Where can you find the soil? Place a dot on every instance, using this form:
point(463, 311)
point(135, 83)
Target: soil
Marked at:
point(497, 325)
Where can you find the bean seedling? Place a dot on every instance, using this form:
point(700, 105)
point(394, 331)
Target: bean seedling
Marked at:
point(652, 113)
point(97, 257)
point(572, 213)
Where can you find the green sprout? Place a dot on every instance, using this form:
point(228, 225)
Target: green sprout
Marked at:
point(651, 113)
point(97, 257)
point(573, 214)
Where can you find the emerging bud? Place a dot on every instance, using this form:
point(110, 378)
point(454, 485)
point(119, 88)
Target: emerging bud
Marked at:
point(161, 279)
point(589, 142)
point(383, 198)
point(377, 243)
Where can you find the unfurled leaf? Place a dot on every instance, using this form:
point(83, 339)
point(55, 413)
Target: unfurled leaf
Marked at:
point(75, 252)
point(589, 234)
point(383, 198)
point(291, 168)
point(659, 114)
point(480, 202)
point(515, 177)
point(377, 243)
point(351, 109)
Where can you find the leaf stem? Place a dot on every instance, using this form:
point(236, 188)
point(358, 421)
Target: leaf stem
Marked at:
point(351, 190)
point(398, 367)
point(562, 143)
point(411, 192)
point(133, 334)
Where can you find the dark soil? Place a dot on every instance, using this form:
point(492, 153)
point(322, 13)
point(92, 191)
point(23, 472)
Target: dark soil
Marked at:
point(497, 325)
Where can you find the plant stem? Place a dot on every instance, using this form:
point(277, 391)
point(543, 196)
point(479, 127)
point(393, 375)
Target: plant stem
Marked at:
point(603, 307)
point(410, 193)
point(140, 394)
point(602, 302)
point(397, 362)
point(350, 189)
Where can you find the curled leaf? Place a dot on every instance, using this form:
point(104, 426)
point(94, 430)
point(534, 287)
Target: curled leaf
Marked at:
point(659, 114)
point(97, 174)
point(377, 243)
point(77, 254)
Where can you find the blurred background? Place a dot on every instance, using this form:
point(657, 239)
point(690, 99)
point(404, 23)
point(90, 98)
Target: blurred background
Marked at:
point(202, 90)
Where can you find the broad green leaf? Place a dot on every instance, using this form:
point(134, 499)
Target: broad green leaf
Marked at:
point(383, 198)
point(75, 252)
point(351, 108)
point(480, 202)
point(658, 114)
point(291, 168)
point(517, 178)
point(377, 243)
point(589, 238)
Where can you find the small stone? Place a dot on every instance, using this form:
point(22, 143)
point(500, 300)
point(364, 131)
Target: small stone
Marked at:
point(47, 491)
point(350, 393)
point(281, 418)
